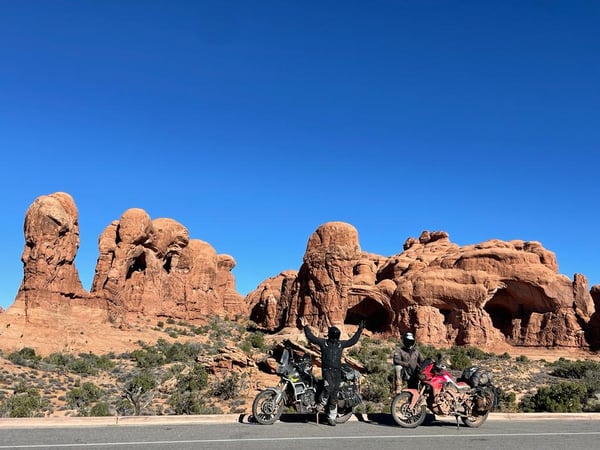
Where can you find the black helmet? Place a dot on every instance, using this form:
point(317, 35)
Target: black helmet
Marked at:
point(408, 340)
point(334, 333)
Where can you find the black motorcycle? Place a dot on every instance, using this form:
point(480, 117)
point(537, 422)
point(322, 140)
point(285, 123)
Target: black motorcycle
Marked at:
point(300, 390)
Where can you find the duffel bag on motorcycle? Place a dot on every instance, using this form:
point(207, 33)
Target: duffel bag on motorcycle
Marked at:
point(475, 376)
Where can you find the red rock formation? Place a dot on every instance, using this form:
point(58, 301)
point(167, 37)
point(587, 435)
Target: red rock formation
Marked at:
point(51, 287)
point(269, 302)
point(145, 267)
point(489, 294)
point(152, 268)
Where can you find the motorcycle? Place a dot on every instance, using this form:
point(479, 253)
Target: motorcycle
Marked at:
point(470, 398)
point(300, 390)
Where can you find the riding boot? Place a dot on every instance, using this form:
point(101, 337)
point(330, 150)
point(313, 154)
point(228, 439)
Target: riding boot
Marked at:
point(331, 417)
point(398, 386)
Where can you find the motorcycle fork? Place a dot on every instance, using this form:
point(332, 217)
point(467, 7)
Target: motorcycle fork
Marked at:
point(281, 387)
point(416, 396)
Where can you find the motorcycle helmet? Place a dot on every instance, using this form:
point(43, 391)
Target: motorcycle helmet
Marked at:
point(409, 340)
point(334, 333)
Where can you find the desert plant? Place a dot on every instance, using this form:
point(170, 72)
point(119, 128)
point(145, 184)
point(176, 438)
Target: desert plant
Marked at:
point(227, 388)
point(100, 409)
point(24, 402)
point(82, 397)
point(139, 391)
point(564, 397)
point(24, 357)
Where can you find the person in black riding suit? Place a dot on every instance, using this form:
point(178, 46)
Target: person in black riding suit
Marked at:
point(331, 363)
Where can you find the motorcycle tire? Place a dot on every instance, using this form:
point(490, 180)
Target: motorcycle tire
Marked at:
point(475, 421)
point(405, 416)
point(343, 416)
point(264, 409)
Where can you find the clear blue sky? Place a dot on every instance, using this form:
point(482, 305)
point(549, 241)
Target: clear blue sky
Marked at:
point(254, 122)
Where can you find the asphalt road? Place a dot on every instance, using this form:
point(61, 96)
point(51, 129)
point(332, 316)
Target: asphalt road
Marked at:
point(299, 432)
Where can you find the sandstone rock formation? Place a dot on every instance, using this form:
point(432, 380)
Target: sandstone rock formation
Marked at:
point(152, 268)
point(148, 268)
point(490, 294)
point(485, 295)
point(51, 287)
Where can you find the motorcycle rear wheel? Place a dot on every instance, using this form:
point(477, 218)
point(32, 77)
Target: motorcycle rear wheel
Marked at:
point(404, 415)
point(264, 408)
point(343, 416)
point(475, 421)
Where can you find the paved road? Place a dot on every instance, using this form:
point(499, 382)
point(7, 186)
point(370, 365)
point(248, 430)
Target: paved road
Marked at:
point(298, 432)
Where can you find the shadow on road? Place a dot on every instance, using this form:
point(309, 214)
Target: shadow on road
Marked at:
point(379, 419)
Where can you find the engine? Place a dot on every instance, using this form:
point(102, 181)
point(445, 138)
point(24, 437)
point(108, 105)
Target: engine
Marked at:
point(450, 401)
point(307, 399)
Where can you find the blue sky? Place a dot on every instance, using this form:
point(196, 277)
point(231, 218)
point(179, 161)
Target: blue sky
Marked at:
point(254, 122)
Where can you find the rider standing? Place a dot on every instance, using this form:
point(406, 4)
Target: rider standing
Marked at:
point(331, 363)
point(406, 361)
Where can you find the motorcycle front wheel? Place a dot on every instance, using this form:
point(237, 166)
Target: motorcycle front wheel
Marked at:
point(405, 416)
point(265, 409)
point(475, 421)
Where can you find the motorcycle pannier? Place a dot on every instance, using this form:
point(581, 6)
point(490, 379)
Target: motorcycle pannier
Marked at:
point(348, 373)
point(474, 376)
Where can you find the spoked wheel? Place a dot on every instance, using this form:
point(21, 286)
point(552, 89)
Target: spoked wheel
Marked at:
point(404, 415)
point(475, 421)
point(265, 409)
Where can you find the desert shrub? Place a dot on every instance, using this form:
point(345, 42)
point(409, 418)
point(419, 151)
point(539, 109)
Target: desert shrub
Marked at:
point(377, 382)
point(257, 340)
point(24, 402)
point(139, 390)
point(459, 358)
point(24, 357)
point(507, 401)
point(476, 353)
point(188, 397)
point(563, 397)
point(82, 397)
point(564, 368)
point(148, 357)
point(375, 357)
point(58, 361)
point(376, 388)
point(522, 359)
point(227, 388)
point(100, 409)
point(186, 402)
point(100, 362)
point(177, 351)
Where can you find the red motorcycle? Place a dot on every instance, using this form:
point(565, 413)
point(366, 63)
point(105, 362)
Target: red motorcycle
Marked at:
point(470, 398)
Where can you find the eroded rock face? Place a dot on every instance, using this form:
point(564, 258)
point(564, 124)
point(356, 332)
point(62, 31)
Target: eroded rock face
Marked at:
point(152, 268)
point(145, 268)
point(50, 281)
point(485, 295)
point(269, 303)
